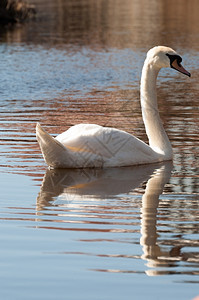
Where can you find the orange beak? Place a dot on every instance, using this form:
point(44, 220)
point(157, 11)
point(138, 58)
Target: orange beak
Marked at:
point(177, 66)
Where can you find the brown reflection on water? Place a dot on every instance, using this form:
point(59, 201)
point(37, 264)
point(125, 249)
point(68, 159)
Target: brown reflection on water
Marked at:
point(112, 23)
point(99, 107)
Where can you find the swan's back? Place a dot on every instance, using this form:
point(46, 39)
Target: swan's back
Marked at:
point(90, 145)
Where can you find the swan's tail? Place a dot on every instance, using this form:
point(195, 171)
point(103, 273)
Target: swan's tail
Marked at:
point(54, 153)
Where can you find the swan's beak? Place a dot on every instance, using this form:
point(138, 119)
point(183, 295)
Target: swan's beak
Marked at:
point(177, 66)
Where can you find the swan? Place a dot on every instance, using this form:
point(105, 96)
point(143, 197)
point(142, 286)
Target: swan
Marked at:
point(90, 145)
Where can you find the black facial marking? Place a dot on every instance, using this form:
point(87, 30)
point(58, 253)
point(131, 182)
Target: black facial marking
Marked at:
point(172, 57)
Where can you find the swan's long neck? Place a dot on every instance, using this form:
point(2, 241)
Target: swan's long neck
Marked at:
point(158, 139)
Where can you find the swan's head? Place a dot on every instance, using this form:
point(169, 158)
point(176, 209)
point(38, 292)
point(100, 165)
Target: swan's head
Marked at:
point(164, 57)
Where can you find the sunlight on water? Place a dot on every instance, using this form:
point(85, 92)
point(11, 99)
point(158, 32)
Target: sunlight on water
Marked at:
point(97, 234)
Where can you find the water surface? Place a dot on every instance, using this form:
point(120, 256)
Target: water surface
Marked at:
point(97, 234)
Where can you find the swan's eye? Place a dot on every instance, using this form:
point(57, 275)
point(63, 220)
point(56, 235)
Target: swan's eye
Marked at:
point(173, 57)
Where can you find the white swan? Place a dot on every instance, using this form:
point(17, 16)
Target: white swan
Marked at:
point(90, 145)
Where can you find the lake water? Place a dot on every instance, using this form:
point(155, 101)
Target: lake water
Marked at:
point(126, 233)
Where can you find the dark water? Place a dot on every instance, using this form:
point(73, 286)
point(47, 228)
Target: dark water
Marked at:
point(127, 233)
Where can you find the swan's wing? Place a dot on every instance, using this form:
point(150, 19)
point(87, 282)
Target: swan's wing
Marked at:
point(106, 146)
point(88, 145)
point(69, 151)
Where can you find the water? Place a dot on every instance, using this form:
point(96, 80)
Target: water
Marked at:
point(97, 234)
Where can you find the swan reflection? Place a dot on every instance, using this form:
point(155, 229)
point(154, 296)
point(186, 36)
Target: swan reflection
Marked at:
point(152, 252)
point(71, 184)
point(63, 187)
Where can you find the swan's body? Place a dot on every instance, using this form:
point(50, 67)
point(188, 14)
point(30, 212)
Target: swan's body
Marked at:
point(90, 145)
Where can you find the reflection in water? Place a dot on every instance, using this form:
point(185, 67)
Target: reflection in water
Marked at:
point(91, 183)
point(150, 202)
point(153, 253)
point(63, 187)
point(156, 255)
point(111, 23)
